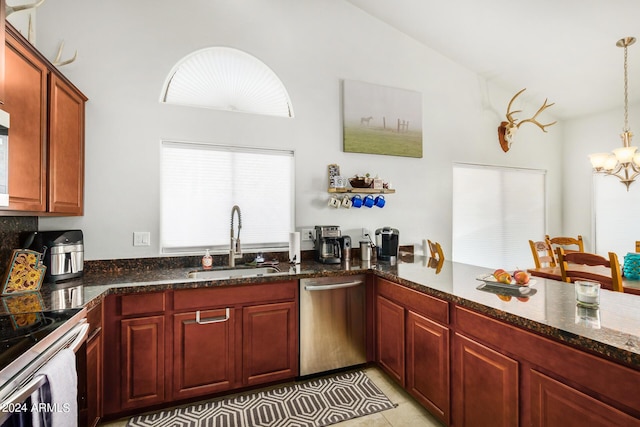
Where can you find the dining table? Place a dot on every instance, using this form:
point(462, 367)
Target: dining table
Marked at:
point(630, 286)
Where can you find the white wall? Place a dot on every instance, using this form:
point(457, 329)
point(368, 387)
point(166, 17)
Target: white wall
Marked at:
point(125, 50)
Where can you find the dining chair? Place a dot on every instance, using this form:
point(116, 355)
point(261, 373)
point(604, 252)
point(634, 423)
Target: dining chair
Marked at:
point(543, 255)
point(637, 245)
point(575, 266)
point(563, 242)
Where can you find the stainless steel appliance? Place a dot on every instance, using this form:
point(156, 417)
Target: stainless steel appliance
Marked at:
point(345, 248)
point(26, 349)
point(387, 244)
point(327, 244)
point(63, 252)
point(332, 323)
point(4, 158)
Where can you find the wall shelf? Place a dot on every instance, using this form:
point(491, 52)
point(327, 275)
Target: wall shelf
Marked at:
point(362, 190)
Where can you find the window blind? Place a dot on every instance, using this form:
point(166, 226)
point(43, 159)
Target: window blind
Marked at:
point(616, 214)
point(200, 184)
point(496, 211)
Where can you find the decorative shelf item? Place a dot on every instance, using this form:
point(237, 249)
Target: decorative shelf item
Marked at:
point(362, 190)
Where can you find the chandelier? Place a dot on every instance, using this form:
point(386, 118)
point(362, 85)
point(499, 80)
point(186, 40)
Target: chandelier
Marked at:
point(624, 163)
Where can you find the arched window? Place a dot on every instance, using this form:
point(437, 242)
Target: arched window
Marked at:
point(229, 79)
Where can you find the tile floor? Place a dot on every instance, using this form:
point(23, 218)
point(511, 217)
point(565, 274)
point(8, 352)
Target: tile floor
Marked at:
point(408, 413)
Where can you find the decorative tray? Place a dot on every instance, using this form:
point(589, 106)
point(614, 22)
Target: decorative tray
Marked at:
point(491, 281)
point(521, 291)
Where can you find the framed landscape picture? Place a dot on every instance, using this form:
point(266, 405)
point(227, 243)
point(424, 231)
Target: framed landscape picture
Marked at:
point(381, 120)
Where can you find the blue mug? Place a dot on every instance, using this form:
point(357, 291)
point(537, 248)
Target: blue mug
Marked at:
point(368, 201)
point(379, 201)
point(356, 201)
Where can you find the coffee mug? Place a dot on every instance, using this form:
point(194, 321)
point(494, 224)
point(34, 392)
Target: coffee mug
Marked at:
point(368, 201)
point(346, 202)
point(379, 201)
point(356, 201)
point(334, 202)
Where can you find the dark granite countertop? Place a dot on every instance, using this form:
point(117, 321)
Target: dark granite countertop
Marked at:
point(612, 331)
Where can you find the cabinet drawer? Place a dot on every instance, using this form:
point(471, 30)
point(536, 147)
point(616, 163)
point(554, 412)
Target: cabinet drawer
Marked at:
point(143, 303)
point(430, 307)
point(227, 296)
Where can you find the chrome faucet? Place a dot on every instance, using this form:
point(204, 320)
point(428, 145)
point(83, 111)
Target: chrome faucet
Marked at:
point(234, 244)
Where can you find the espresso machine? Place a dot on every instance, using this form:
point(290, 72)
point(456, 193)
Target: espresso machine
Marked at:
point(328, 244)
point(387, 244)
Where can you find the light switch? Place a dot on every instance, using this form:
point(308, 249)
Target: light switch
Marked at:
point(141, 238)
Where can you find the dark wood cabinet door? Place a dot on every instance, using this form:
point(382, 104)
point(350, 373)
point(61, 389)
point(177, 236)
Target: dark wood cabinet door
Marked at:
point(142, 361)
point(66, 148)
point(26, 101)
point(203, 353)
point(428, 364)
point(390, 342)
point(94, 380)
point(269, 343)
point(556, 404)
point(485, 386)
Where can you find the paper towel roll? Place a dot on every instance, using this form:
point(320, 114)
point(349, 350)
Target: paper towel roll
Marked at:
point(294, 247)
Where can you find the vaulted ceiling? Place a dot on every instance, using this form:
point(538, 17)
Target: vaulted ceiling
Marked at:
point(564, 50)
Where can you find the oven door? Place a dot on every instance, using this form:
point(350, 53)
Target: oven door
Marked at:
point(17, 390)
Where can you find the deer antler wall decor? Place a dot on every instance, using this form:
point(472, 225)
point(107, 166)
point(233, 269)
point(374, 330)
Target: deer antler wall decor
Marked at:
point(507, 130)
point(58, 63)
point(18, 8)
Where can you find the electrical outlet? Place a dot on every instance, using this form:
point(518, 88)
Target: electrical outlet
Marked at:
point(365, 232)
point(307, 234)
point(141, 238)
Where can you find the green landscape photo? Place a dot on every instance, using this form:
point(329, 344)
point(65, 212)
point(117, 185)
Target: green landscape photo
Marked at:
point(382, 120)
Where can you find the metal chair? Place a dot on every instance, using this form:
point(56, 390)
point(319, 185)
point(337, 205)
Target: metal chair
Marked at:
point(574, 266)
point(543, 255)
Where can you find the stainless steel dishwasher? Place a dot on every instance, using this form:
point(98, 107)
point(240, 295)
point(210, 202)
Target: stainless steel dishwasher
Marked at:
point(332, 323)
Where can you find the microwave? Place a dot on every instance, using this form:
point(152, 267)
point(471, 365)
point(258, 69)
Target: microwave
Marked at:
point(4, 158)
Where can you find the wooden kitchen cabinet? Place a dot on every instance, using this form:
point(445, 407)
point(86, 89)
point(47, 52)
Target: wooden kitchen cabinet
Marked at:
point(412, 344)
point(269, 343)
point(156, 352)
point(66, 147)
point(203, 353)
point(390, 338)
point(46, 142)
point(485, 385)
point(134, 351)
point(3, 15)
point(94, 367)
point(26, 101)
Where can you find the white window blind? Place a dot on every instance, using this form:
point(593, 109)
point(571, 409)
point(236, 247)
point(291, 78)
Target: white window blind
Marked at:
point(200, 184)
point(616, 215)
point(496, 211)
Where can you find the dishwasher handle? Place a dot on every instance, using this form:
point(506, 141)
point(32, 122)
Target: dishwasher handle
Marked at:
point(333, 286)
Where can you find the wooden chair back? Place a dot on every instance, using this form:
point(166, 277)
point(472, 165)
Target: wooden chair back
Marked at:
point(572, 267)
point(564, 242)
point(543, 255)
point(637, 245)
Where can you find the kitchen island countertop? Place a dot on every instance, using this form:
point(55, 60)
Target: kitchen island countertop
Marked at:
point(612, 331)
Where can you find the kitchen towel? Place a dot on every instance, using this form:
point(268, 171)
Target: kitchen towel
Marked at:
point(294, 247)
point(55, 404)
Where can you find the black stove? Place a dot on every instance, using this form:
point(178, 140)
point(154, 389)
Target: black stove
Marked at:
point(25, 339)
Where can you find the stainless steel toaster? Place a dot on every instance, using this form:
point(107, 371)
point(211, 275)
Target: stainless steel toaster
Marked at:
point(63, 252)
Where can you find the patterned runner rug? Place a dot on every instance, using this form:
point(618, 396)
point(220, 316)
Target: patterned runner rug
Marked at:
point(315, 403)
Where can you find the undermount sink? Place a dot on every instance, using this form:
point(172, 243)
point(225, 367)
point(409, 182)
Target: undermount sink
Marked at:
point(232, 273)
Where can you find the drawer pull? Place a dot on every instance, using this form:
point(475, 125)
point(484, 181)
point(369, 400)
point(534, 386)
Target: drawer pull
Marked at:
point(218, 319)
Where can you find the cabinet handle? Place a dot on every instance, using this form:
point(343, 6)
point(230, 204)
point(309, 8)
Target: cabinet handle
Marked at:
point(218, 319)
point(332, 286)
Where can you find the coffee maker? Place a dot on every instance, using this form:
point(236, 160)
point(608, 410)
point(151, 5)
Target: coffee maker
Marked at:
point(328, 244)
point(387, 244)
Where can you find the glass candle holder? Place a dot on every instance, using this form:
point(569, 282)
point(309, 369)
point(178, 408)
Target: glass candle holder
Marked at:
point(587, 293)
